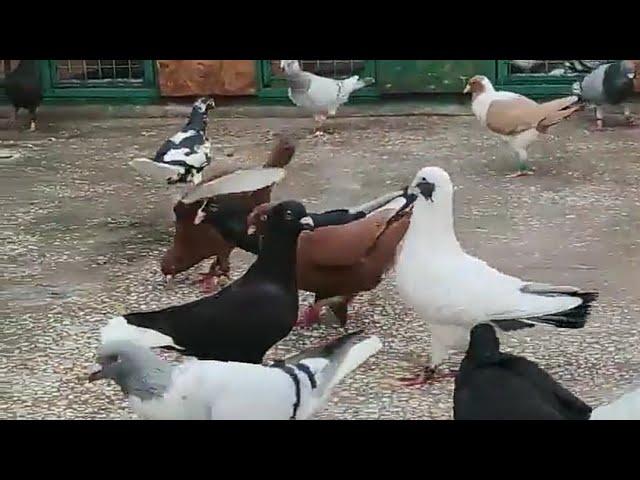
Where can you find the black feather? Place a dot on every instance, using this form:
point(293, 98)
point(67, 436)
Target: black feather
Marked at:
point(23, 86)
point(492, 385)
point(242, 321)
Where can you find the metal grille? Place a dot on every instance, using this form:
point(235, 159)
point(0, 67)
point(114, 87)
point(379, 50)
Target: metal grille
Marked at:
point(100, 72)
point(553, 67)
point(6, 66)
point(337, 69)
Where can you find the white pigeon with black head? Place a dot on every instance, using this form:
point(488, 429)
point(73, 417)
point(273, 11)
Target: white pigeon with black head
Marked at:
point(293, 389)
point(319, 95)
point(609, 84)
point(452, 290)
point(183, 157)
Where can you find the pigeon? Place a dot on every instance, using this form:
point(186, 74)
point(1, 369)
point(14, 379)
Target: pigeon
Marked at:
point(292, 389)
point(319, 95)
point(183, 157)
point(529, 66)
point(516, 118)
point(243, 320)
point(23, 87)
point(453, 290)
point(609, 84)
point(194, 242)
point(348, 252)
point(492, 385)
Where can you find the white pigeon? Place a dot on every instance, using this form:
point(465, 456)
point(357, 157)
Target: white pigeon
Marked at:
point(453, 291)
point(292, 389)
point(319, 95)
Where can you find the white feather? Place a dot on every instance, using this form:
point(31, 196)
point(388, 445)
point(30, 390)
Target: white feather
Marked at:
point(450, 288)
point(118, 329)
point(236, 182)
point(211, 390)
point(158, 171)
point(178, 137)
point(626, 407)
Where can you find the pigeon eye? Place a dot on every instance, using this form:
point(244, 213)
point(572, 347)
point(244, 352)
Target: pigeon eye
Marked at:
point(288, 215)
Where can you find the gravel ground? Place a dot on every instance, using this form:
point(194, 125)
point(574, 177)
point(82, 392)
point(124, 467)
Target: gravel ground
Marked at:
point(82, 236)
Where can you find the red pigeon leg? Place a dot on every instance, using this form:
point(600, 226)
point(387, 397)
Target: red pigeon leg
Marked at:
point(428, 376)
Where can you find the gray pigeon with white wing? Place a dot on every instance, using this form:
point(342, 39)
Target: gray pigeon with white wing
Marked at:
point(292, 389)
point(319, 95)
point(609, 84)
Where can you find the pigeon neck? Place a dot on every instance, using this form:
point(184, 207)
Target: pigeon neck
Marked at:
point(278, 256)
point(432, 225)
point(197, 120)
point(146, 379)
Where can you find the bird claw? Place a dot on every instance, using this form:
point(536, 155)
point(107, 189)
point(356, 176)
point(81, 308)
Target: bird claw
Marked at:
point(430, 375)
point(208, 282)
point(522, 173)
point(309, 317)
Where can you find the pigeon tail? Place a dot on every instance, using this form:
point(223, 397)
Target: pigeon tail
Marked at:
point(354, 83)
point(118, 329)
point(557, 110)
point(344, 355)
point(626, 407)
point(282, 153)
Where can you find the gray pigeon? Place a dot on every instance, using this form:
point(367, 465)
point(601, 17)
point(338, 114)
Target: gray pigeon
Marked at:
point(609, 84)
point(291, 389)
point(320, 95)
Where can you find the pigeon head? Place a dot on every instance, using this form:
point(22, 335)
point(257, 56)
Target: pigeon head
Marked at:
point(483, 342)
point(119, 360)
point(628, 69)
point(290, 66)
point(432, 184)
point(477, 85)
point(133, 367)
point(288, 216)
point(204, 104)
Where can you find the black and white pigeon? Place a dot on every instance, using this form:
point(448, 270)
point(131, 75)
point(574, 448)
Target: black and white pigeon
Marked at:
point(230, 216)
point(321, 96)
point(453, 291)
point(293, 389)
point(243, 320)
point(492, 385)
point(609, 84)
point(183, 157)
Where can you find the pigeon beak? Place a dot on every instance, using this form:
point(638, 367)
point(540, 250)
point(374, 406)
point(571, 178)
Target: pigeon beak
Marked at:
point(467, 89)
point(307, 224)
point(168, 280)
point(251, 229)
point(95, 373)
point(426, 189)
point(631, 75)
point(200, 216)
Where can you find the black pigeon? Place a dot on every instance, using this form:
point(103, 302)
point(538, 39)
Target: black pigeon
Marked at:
point(492, 385)
point(24, 89)
point(242, 321)
point(183, 157)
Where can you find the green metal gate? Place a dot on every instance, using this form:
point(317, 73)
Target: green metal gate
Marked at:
point(272, 84)
point(130, 81)
point(542, 78)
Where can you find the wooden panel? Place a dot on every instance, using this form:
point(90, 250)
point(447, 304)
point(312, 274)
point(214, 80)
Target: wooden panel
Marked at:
point(429, 76)
point(180, 78)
